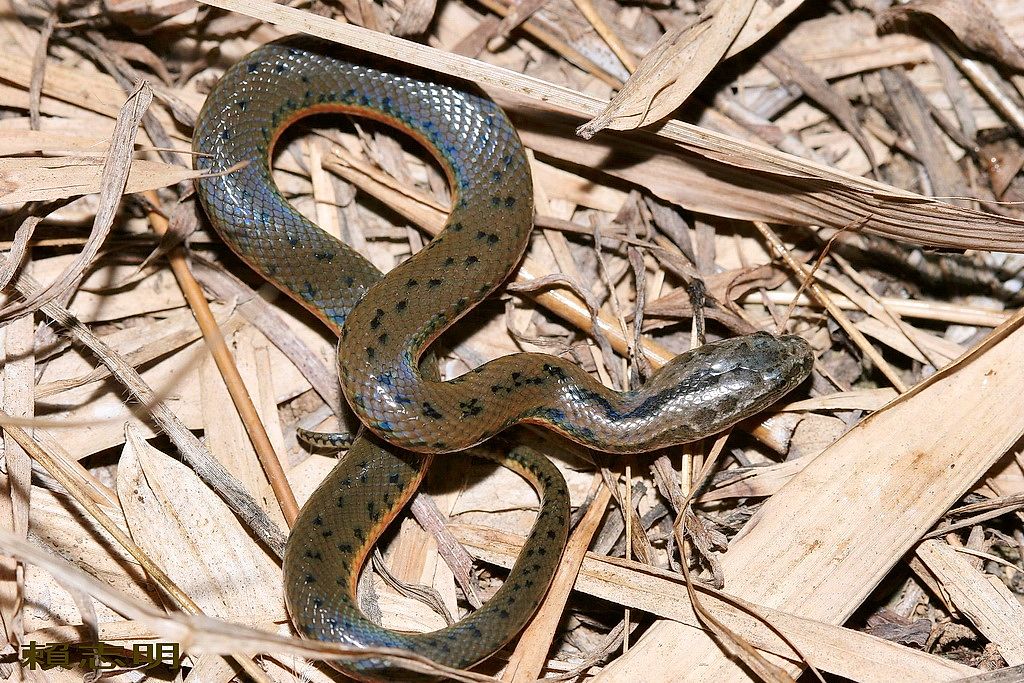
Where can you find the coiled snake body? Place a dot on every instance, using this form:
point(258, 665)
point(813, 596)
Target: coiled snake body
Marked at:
point(386, 325)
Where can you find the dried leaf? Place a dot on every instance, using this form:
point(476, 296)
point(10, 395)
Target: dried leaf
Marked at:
point(672, 70)
point(194, 537)
point(972, 21)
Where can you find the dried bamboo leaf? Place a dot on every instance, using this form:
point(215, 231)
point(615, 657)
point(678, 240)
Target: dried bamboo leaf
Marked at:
point(28, 179)
point(195, 538)
point(672, 70)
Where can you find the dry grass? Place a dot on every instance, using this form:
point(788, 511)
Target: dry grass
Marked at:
point(867, 529)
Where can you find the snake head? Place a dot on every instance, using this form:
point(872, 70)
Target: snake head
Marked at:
point(711, 388)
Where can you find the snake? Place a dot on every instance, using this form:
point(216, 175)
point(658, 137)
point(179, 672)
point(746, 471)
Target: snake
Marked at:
point(386, 324)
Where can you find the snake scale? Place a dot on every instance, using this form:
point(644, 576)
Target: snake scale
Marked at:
point(387, 323)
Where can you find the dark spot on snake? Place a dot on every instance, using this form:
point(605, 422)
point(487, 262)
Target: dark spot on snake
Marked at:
point(393, 478)
point(471, 260)
point(411, 282)
point(528, 582)
point(225, 135)
point(542, 551)
point(280, 68)
point(242, 104)
point(434, 283)
point(551, 534)
point(371, 509)
point(323, 256)
point(431, 412)
point(345, 547)
point(327, 533)
point(456, 227)
point(510, 201)
point(400, 306)
point(310, 579)
point(377, 317)
point(495, 201)
point(254, 67)
point(318, 521)
point(449, 262)
point(471, 408)
point(314, 555)
point(493, 239)
point(341, 502)
point(318, 603)
point(383, 339)
point(370, 352)
point(359, 533)
point(349, 281)
point(293, 240)
point(503, 614)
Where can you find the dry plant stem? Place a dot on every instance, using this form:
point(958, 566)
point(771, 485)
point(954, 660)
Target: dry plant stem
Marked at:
point(228, 370)
point(590, 13)
point(893, 317)
point(907, 308)
point(35, 88)
point(981, 80)
point(527, 662)
point(741, 647)
point(825, 300)
point(192, 451)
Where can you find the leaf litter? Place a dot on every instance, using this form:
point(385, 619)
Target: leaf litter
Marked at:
point(849, 172)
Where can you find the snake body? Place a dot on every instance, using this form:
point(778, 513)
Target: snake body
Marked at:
point(387, 324)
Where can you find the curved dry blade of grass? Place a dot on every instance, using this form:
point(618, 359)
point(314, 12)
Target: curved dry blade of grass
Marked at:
point(672, 70)
point(113, 180)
